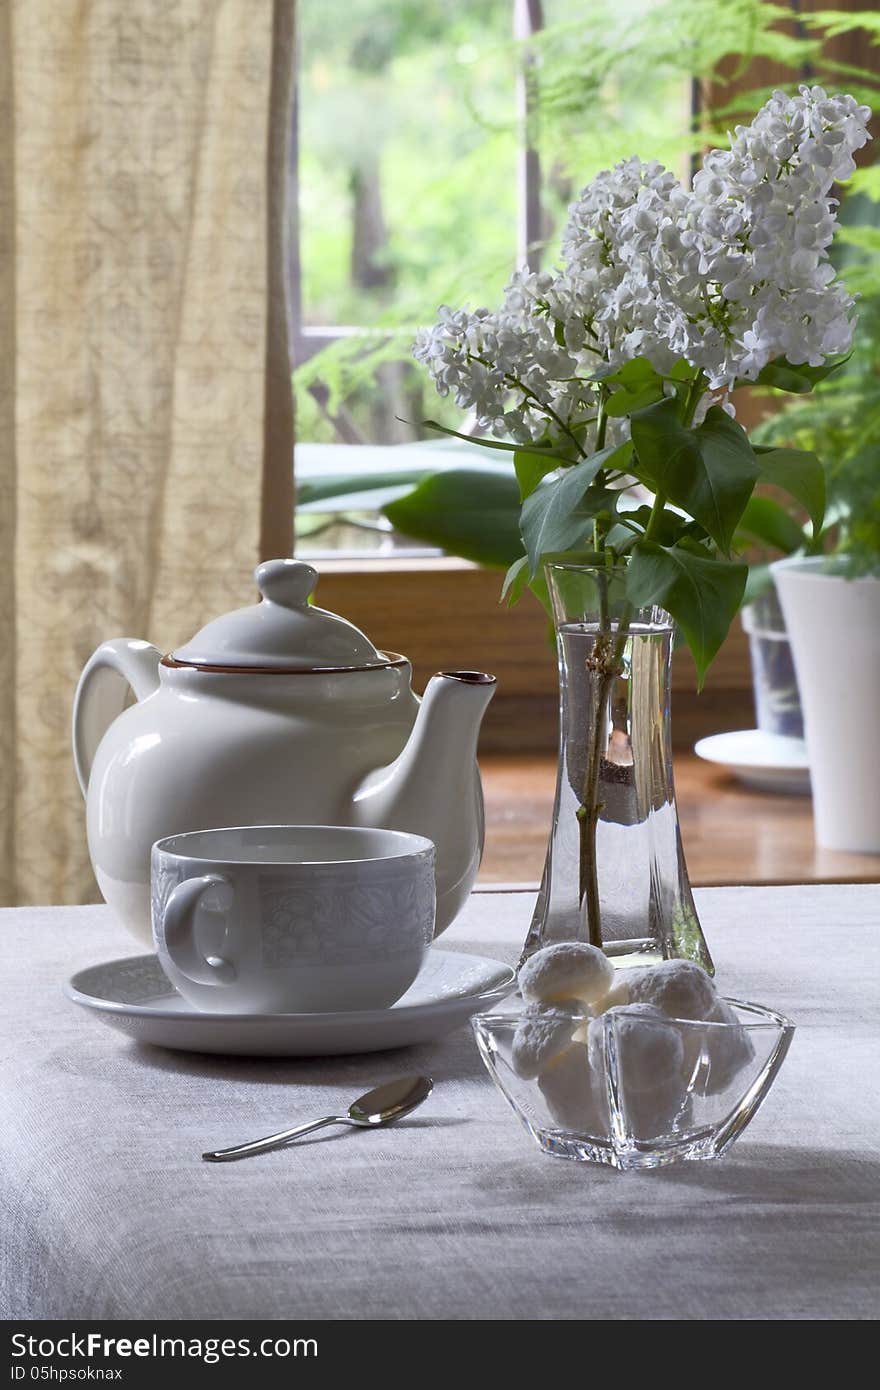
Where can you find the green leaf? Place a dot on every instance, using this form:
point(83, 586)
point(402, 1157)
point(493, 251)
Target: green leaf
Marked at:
point(628, 402)
point(583, 557)
point(515, 580)
point(681, 371)
point(620, 539)
point(799, 473)
point(556, 449)
point(638, 375)
point(530, 468)
point(702, 595)
point(694, 546)
point(634, 375)
point(555, 516)
point(473, 439)
point(669, 527)
point(798, 379)
point(709, 471)
point(341, 485)
point(470, 512)
point(539, 587)
point(638, 385)
point(767, 521)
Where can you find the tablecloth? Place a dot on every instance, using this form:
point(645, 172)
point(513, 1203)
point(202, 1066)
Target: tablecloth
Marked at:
point(109, 1212)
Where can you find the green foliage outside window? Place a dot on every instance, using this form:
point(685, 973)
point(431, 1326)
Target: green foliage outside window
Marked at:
point(408, 176)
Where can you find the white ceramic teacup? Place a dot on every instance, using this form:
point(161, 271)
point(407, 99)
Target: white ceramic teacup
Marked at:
point(292, 919)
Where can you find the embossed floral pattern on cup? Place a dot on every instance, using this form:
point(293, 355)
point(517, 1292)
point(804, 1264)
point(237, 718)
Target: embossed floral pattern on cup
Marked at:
point(334, 919)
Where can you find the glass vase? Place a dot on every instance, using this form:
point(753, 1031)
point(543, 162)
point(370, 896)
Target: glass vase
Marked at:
point(777, 699)
point(615, 874)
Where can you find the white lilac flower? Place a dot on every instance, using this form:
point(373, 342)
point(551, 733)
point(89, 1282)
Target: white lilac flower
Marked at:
point(759, 222)
point(727, 275)
point(609, 249)
point(508, 367)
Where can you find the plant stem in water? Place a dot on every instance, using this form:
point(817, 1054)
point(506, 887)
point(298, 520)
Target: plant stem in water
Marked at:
point(604, 666)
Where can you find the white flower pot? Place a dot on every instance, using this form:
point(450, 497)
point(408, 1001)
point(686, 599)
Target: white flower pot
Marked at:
point(834, 629)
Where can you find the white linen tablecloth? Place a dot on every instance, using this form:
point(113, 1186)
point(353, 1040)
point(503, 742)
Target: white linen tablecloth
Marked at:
point(109, 1212)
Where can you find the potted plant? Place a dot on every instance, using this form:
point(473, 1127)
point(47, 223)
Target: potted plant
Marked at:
point(616, 369)
point(837, 422)
point(831, 600)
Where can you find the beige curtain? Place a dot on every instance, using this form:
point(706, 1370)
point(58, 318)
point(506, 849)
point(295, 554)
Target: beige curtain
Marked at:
point(145, 417)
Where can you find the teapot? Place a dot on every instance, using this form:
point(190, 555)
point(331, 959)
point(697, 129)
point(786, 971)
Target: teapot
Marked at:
point(279, 713)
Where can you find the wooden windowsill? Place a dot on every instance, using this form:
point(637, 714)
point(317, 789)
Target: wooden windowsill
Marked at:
point(445, 615)
point(731, 835)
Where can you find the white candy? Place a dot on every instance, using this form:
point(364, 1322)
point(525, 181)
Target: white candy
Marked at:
point(541, 1035)
point(618, 994)
point(650, 1114)
point(728, 1050)
point(650, 1051)
point(575, 1098)
point(678, 987)
point(566, 970)
point(650, 1062)
point(656, 1059)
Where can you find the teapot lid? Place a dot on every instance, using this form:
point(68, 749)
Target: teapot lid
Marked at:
point(284, 632)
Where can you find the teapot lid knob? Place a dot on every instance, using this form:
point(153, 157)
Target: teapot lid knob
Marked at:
point(287, 582)
point(284, 632)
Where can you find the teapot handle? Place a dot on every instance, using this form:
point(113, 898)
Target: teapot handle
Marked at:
point(101, 694)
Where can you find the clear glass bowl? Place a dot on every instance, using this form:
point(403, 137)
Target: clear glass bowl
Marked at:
point(595, 1101)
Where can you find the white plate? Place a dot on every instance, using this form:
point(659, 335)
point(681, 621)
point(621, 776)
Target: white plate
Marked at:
point(134, 997)
point(770, 762)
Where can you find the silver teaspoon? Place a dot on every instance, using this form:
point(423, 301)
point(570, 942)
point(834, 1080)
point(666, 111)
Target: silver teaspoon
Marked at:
point(380, 1107)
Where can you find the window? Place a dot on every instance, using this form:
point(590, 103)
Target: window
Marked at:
point(428, 162)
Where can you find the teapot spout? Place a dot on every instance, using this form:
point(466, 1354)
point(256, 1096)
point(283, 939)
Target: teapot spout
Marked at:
point(433, 787)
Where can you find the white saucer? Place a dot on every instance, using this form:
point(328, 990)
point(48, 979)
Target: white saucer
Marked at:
point(134, 997)
point(770, 762)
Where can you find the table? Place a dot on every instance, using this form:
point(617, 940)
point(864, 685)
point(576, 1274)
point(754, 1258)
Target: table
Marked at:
point(108, 1211)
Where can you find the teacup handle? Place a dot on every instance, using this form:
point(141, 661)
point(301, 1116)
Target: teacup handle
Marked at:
point(179, 920)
